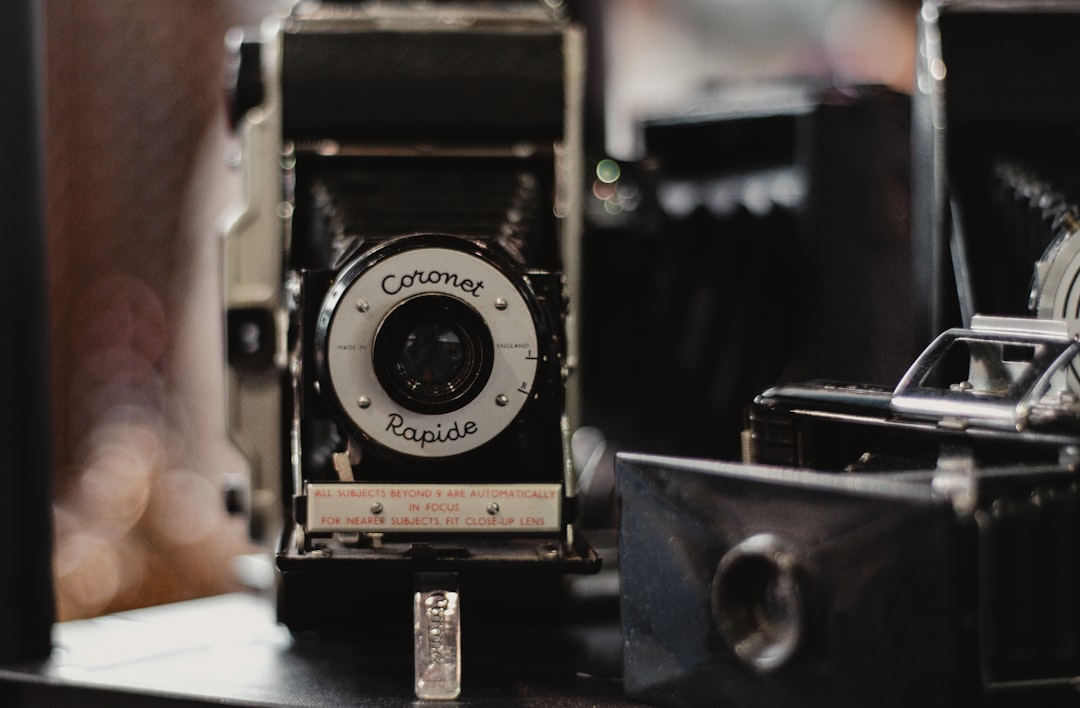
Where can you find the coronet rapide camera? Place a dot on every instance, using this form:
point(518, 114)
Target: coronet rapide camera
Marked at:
point(399, 323)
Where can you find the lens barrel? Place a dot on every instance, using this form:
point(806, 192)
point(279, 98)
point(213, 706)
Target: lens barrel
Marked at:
point(433, 354)
point(757, 602)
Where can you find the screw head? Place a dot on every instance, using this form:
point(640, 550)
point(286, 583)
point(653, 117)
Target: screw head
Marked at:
point(376, 508)
point(501, 303)
point(363, 402)
point(501, 400)
point(362, 306)
point(492, 508)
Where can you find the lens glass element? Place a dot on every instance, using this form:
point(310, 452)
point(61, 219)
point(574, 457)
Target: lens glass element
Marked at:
point(433, 353)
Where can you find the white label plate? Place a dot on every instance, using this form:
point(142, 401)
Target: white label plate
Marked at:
point(434, 508)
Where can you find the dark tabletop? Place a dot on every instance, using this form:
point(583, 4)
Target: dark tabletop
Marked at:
point(228, 650)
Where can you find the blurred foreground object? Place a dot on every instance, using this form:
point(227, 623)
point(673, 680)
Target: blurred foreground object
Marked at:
point(26, 598)
point(136, 178)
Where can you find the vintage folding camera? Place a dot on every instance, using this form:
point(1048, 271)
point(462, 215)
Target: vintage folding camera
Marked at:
point(738, 215)
point(995, 145)
point(912, 547)
point(400, 330)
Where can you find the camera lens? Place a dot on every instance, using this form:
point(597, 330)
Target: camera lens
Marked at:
point(433, 353)
point(429, 345)
point(757, 603)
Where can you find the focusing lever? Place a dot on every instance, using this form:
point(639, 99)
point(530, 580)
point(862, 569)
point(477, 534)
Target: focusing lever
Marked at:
point(437, 625)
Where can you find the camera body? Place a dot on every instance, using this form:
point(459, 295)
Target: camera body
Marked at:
point(401, 336)
point(913, 546)
point(998, 391)
point(994, 145)
point(740, 215)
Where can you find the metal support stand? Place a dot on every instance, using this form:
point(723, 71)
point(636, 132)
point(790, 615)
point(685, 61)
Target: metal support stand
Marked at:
point(437, 623)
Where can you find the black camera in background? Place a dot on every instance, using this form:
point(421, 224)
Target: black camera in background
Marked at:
point(26, 597)
point(1007, 165)
point(770, 244)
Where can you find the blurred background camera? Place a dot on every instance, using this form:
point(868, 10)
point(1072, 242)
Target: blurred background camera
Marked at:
point(994, 143)
point(763, 237)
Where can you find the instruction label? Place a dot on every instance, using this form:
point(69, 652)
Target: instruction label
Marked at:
point(433, 508)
